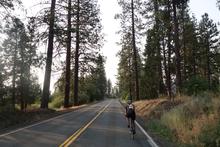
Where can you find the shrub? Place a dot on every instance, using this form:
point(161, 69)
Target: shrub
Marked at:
point(156, 127)
point(84, 98)
point(210, 136)
point(57, 101)
point(195, 85)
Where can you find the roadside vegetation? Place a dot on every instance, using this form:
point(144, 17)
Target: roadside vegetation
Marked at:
point(188, 121)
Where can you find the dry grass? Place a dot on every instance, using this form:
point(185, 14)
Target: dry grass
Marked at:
point(186, 117)
point(144, 108)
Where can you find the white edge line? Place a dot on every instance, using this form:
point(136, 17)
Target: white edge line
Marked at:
point(150, 140)
point(36, 124)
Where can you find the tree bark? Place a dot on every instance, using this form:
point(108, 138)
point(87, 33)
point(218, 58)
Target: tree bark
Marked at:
point(135, 53)
point(208, 65)
point(158, 48)
point(67, 85)
point(47, 77)
point(177, 47)
point(76, 69)
point(169, 53)
point(14, 72)
point(184, 76)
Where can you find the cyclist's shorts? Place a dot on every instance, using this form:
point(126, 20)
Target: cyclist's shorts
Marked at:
point(131, 114)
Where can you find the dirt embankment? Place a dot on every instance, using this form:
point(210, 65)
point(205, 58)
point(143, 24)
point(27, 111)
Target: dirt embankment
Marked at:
point(148, 109)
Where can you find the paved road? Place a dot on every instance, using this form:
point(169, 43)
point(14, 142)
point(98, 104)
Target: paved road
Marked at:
point(107, 130)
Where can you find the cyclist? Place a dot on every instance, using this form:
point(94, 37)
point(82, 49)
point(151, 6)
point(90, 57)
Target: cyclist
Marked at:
point(131, 115)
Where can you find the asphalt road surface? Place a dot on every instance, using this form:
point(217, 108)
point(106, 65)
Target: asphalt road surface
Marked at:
point(99, 125)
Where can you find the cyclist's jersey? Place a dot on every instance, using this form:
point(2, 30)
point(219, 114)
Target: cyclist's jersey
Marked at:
point(130, 111)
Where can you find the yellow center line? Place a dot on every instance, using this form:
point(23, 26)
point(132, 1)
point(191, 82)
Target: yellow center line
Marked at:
point(72, 138)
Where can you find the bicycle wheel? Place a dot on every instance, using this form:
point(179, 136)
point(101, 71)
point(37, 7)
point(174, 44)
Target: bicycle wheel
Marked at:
point(131, 134)
point(132, 131)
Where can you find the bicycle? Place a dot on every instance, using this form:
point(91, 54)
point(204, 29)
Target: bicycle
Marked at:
point(132, 128)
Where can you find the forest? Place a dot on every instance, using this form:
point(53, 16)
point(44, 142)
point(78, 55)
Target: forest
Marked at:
point(71, 30)
point(179, 61)
point(180, 51)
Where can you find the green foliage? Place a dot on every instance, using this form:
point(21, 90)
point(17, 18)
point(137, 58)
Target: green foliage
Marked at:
point(210, 136)
point(91, 86)
point(18, 57)
point(109, 88)
point(195, 85)
point(156, 127)
point(209, 48)
point(126, 74)
point(57, 100)
point(151, 77)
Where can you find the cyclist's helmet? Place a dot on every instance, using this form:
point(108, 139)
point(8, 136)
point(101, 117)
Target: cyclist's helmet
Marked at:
point(129, 101)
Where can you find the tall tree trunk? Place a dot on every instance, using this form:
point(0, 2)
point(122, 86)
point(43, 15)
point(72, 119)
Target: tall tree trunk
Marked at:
point(47, 77)
point(208, 65)
point(165, 63)
point(22, 80)
point(194, 61)
point(130, 77)
point(14, 72)
point(184, 44)
point(169, 52)
point(135, 54)
point(177, 47)
point(67, 86)
point(76, 68)
point(157, 40)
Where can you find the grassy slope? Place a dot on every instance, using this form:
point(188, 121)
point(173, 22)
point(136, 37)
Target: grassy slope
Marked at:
point(186, 121)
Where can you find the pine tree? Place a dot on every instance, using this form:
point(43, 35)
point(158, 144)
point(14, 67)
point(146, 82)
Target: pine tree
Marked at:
point(3, 78)
point(19, 51)
point(109, 88)
point(68, 57)
point(100, 78)
point(208, 41)
point(126, 74)
point(151, 66)
point(46, 87)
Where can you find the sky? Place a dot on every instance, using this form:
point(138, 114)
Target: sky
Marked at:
point(108, 10)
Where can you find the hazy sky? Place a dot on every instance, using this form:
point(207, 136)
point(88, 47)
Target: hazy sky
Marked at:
point(108, 10)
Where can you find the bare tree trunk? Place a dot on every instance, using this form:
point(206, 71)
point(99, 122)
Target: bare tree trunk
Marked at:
point(76, 68)
point(67, 86)
point(130, 76)
point(22, 80)
point(14, 72)
point(184, 76)
point(208, 66)
point(169, 54)
point(177, 47)
point(135, 54)
point(159, 66)
point(165, 63)
point(47, 77)
point(194, 61)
